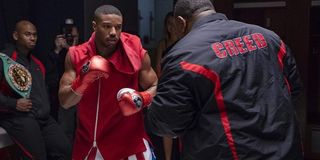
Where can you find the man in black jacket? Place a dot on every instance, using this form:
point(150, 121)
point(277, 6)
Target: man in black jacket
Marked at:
point(227, 89)
point(24, 101)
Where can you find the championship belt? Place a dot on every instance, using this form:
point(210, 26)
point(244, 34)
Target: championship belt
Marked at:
point(17, 76)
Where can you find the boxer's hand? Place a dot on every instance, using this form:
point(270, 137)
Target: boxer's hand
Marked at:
point(94, 69)
point(131, 101)
point(23, 105)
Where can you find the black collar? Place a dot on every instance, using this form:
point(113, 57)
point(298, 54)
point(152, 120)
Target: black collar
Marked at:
point(209, 18)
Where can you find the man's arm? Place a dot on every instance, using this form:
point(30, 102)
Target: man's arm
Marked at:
point(73, 85)
point(21, 104)
point(7, 102)
point(147, 77)
point(173, 109)
point(132, 101)
point(292, 74)
point(67, 96)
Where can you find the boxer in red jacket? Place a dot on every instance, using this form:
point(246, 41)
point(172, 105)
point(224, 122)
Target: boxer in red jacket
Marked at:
point(95, 72)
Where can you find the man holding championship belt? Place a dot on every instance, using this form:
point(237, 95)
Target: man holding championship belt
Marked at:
point(24, 104)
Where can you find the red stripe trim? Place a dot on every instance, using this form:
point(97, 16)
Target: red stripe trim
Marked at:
point(288, 84)
point(214, 78)
point(281, 54)
point(37, 61)
point(24, 150)
point(14, 55)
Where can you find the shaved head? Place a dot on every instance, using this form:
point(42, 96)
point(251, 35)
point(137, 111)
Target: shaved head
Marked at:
point(188, 8)
point(22, 24)
point(106, 9)
point(25, 36)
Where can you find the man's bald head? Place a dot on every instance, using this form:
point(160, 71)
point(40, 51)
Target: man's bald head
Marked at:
point(25, 35)
point(22, 24)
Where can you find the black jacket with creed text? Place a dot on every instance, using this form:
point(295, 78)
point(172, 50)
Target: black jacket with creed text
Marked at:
point(227, 90)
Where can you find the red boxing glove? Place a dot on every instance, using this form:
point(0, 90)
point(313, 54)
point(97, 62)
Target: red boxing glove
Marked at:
point(92, 70)
point(132, 101)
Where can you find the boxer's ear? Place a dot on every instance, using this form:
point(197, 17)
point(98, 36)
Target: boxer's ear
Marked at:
point(94, 25)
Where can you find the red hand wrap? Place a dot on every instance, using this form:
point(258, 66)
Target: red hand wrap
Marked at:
point(146, 98)
point(78, 87)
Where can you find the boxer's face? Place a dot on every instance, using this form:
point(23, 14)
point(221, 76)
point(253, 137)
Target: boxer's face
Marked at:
point(108, 28)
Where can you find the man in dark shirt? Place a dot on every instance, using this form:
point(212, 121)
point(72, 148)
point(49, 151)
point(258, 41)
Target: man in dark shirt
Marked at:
point(26, 116)
point(227, 89)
